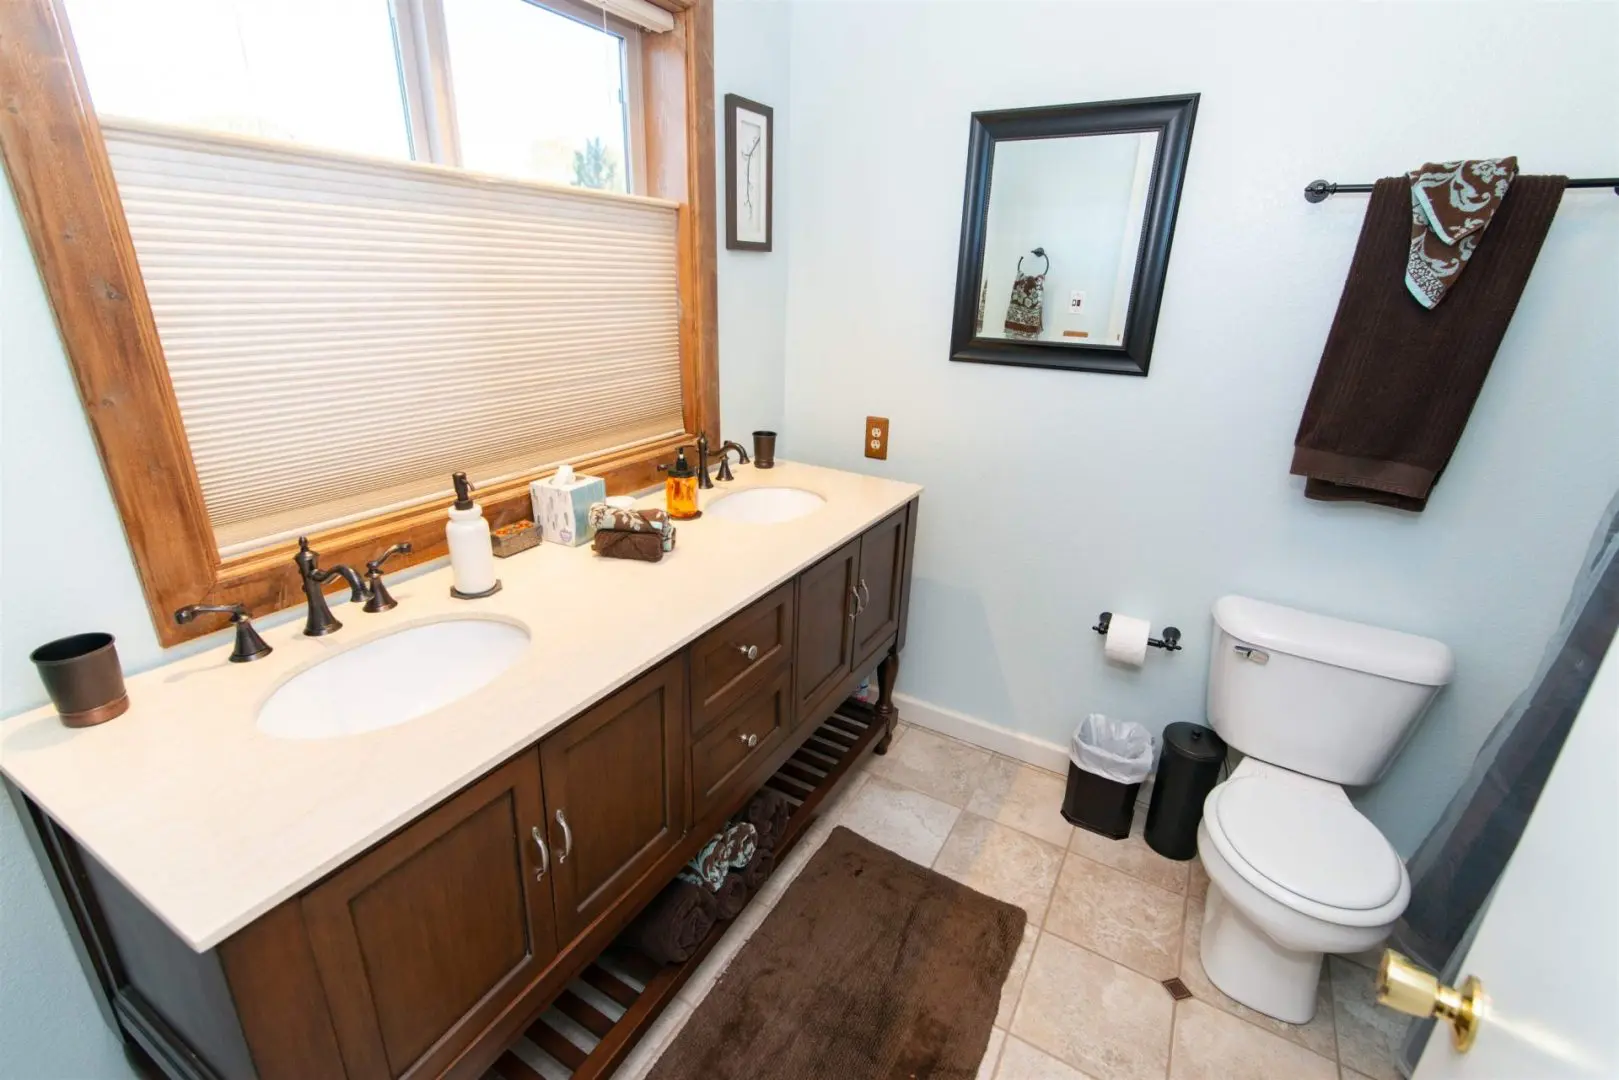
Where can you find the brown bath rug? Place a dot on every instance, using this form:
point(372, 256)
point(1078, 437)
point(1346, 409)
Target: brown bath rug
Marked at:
point(870, 966)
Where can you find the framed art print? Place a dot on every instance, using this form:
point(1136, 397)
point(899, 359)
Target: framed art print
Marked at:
point(749, 173)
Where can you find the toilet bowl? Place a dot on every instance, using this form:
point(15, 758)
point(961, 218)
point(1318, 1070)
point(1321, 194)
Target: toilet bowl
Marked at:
point(1295, 872)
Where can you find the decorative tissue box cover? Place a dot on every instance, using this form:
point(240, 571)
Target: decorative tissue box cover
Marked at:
point(564, 512)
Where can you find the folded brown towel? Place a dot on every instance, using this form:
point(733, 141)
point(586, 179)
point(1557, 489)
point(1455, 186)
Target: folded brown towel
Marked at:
point(733, 895)
point(1397, 381)
point(674, 923)
point(644, 546)
point(769, 811)
point(759, 868)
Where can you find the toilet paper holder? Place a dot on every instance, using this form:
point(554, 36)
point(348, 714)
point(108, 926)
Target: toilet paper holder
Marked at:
point(1170, 642)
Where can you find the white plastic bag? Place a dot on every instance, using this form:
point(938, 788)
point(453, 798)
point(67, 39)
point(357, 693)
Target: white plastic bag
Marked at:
point(1119, 750)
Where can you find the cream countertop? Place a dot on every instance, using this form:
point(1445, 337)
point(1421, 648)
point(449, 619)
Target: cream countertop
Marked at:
point(212, 823)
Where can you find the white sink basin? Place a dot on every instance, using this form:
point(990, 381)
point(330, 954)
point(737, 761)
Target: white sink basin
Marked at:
point(392, 679)
point(766, 505)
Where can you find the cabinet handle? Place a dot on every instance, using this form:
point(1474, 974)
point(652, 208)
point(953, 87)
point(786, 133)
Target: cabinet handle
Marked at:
point(854, 594)
point(751, 740)
point(545, 854)
point(865, 595)
point(567, 838)
point(749, 651)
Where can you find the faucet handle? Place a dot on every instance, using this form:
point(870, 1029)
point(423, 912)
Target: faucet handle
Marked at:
point(249, 645)
point(724, 475)
point(377, 596)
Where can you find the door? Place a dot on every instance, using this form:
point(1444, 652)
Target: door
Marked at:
point(828, 594)
point(423, 940)
point(1546, 947)
point(615, 793)
point(880, 582)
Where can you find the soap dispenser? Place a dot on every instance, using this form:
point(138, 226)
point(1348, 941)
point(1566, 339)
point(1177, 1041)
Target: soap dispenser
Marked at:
point(472, 555)
point(680, 489)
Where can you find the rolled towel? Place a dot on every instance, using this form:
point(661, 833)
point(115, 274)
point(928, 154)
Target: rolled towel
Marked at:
point(759, 868)
point(769, 811)
point(603, 516)
point(675, 923)
point(733, 895)
point(640, 546)
point(739, 841)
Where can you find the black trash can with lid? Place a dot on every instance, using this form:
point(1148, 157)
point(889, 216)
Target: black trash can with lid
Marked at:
point(1188, 769)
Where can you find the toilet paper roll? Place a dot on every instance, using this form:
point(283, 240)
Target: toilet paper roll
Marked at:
point(1127, 639)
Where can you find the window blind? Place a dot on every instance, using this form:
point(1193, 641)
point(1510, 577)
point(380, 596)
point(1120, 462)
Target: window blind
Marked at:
point(343, 333)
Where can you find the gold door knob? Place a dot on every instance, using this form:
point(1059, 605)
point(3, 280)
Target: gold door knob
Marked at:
point(1403, 986)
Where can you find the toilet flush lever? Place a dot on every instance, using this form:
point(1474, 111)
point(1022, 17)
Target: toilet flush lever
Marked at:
point(1248, 652)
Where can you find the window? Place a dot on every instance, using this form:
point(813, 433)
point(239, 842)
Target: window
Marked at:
point(304, 316)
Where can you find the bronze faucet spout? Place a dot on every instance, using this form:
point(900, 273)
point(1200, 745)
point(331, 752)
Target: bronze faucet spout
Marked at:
point(320, 620)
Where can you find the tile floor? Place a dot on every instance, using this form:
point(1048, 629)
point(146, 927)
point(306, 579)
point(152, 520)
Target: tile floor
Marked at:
point(1107, 920)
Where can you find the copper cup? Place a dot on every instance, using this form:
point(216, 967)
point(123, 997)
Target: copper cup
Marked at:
point(764, 449)
point(82, 675)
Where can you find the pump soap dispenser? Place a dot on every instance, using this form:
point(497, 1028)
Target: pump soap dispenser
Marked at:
point(472, 555)
point(680, 488)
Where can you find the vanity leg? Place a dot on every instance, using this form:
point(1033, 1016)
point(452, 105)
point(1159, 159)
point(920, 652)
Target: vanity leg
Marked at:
point(887, 672)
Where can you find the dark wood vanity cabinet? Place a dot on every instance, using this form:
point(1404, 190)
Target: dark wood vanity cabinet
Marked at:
point(423, 940)
point(427, 954)
point(615, 793)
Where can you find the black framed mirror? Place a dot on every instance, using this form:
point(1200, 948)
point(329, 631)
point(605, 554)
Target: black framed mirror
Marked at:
point(1065, 233)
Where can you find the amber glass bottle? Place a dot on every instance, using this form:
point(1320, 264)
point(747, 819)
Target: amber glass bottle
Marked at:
point(680, 489)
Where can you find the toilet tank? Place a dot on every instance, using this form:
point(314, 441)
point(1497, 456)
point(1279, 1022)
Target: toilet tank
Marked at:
point(1325, 697)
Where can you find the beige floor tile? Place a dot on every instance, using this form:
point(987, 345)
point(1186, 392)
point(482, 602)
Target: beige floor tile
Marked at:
point(1020, 1061)
point(1351, 1074)
point(1001, 862)
point(1013, 986)
point(934, 765)
point(906, 822)
point(1132, 855)
point(1212, 1045)
point(655, 1042)
point(1023, 797)
point(725, 950)
point(1197, 880)
point(1316, 1036)
point(1369, 1035)
point(1121, 917)
point(1094, 1015)
point(992, 1054)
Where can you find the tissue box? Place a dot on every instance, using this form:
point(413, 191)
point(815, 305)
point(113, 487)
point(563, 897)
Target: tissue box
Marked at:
point(563, 510)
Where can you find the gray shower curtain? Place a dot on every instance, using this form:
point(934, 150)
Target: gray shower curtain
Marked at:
point(1457, 866)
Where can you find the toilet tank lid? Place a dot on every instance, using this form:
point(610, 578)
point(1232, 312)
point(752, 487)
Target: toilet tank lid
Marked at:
point(1389, 654)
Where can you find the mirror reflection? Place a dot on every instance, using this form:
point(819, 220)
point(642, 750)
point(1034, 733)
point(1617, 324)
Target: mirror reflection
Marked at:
point(1062, 237)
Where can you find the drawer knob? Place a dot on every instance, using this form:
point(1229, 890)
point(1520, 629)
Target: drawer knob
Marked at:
point(749, 651)
point(750, 740)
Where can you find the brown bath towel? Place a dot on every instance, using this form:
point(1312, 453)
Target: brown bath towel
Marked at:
point(1397, 381)
point(733, 895)
point(759, 868)
point(675, 923)
point(769, 811)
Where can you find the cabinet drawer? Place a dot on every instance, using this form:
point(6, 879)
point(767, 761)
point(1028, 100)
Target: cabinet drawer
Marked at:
point(723, 758)
point(739, 655)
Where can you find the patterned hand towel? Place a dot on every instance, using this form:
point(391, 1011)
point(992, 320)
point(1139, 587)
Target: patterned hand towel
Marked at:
point(603, 516)
point(1452, 203)
point(1023, 319)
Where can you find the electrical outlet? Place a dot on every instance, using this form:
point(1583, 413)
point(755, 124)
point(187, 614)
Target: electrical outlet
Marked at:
point(877, 437)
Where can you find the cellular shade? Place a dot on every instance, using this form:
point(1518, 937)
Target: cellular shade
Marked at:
point(343, 333)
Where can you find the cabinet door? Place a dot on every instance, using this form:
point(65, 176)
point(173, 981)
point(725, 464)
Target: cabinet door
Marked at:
point(734, 746)
point(615, 793)
point(825, 647)
point(881, 580)
point(423, 940)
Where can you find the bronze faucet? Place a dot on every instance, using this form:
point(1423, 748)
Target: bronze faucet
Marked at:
point(321, 621)
point(249, 646)
point(377, 596)
point(703, 479)
point(725, 460)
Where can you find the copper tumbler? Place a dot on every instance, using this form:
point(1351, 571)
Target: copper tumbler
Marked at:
point(764, 449)
point(82, 675)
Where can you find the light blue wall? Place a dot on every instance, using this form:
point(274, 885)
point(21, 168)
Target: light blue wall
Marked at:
point(1053, 495)
point(751, 58)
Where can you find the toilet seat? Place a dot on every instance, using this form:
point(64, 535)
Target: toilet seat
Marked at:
point(1306, 850)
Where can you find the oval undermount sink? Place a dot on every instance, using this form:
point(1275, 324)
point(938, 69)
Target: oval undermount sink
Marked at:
point(766, 505)
point(392, 679)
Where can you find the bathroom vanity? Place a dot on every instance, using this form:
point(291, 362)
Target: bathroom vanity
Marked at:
point(406, 901)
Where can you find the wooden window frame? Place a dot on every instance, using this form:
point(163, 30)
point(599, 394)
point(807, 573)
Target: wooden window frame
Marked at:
point(57, 163)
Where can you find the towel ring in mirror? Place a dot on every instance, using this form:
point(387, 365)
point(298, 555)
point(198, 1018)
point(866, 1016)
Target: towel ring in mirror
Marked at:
point(1040, 253)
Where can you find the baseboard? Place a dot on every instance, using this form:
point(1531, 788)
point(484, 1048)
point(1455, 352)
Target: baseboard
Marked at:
point(970, 729)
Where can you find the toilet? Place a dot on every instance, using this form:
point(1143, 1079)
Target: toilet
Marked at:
point(1295, 871)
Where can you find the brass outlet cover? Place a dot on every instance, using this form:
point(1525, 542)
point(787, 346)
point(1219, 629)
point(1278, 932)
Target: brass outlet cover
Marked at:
point(876, 437)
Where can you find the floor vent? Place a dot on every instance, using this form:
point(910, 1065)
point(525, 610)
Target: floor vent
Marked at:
point(1177, 989)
